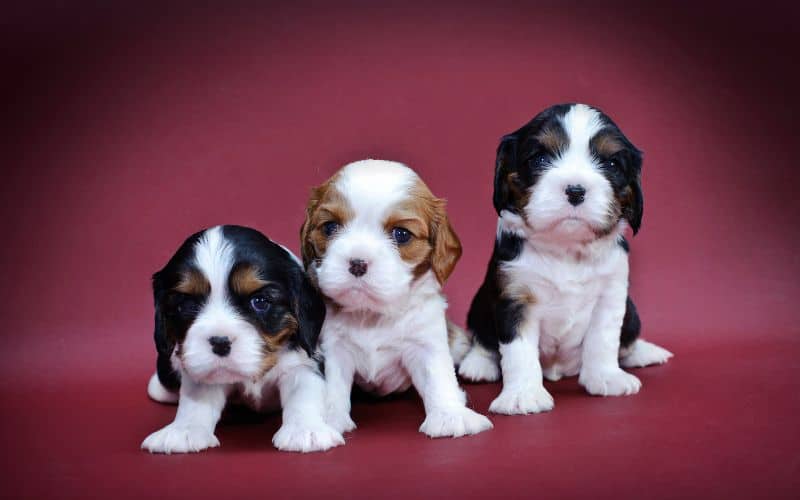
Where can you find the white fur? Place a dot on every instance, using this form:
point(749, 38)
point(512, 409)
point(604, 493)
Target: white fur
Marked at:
point(208, 380)
point(579, 281)
point(157, 391)
point(643, 353)
point(387, 330)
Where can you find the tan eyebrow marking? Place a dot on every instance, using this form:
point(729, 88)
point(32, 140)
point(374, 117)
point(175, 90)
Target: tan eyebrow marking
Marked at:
point(193, 282)
point(246, 280)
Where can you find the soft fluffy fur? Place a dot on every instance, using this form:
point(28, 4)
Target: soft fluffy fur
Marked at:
point(236, 318)
point(555, 302)
point(379, 246)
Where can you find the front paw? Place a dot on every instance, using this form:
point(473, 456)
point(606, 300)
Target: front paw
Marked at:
point(522, 401)
point(340, 420)
point(614, 382)
point(454, 422)
point(305, 437)
point(180, 438)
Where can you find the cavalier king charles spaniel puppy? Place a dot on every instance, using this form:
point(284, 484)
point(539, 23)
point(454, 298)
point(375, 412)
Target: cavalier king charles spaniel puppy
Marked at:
point(236, 319)
point(379, 246)
point(554, 302)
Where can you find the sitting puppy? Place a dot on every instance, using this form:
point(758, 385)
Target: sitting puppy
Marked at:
point(555, 298)
point(237, 319)
point(379, 246)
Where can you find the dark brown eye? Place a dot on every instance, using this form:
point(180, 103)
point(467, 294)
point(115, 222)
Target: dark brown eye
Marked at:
point(539, 161)
point(260, 303)
point(330, 228)
point(401, 235)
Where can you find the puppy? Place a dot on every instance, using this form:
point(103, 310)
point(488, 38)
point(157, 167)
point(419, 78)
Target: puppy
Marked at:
point(555, 301)
point(379, 246)
point(237, 319)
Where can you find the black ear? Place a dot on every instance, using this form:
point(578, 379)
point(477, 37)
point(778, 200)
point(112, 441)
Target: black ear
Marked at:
point(309, 309)
point(635, 209)
point(164, 345)
point(505, 166)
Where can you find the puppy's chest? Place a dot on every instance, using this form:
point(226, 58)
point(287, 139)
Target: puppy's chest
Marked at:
point(377, 355)
point(260, 395)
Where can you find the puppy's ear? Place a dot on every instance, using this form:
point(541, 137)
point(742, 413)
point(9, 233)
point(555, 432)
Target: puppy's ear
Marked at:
point(634, 210)
point(446, 245)
point(309, 310)
point(307, 250)
point(505, 175)
point(164, 344)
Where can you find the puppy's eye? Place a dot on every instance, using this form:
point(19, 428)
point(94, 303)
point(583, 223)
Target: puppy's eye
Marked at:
point(609, 164)
point(260, 303)
point(401, 235)
point(329, 228)
point(539, 161)
point(188, 305)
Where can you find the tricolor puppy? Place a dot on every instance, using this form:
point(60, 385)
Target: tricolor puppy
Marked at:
point(237, 319)
point(555, 302)
point(379, 246)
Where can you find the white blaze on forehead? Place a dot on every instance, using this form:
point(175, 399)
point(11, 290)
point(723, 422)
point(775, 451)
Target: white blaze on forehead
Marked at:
point(373, 186)
point(213, 256)
point(581, 123)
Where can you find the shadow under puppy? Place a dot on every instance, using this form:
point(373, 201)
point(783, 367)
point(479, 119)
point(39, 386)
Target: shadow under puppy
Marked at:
point(555, 301)
point(379, 245)
point(236, 319)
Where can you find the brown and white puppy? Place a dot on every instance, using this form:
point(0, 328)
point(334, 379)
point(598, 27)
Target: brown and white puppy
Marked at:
point(379, 245)
point(236, 317)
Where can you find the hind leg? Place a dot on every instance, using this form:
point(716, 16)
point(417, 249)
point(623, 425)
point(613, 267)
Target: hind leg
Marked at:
point(480, 365)
point(643, 353)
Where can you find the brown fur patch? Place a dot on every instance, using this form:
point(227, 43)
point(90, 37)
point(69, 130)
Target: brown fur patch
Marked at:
point(434, 245)
point(193, 282)
point(605, 145)
point(273, 342)
point(519, 193)
point(519, 293)
point(553, 138)
point(326, 204)
point(246, 279)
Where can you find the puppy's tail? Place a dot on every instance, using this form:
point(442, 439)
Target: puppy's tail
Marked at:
point(459, 341)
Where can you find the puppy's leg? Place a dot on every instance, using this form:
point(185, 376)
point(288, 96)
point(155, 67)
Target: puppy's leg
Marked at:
point(600, 372)
point(302, 390)
point(643, 353)
point(199, 409)
point(157, 391)
point(523, 391)
point(480, 364)
point(339, 370)
point(434, 377)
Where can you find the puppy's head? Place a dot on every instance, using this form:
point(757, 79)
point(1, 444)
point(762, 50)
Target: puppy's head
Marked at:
point(572, 172)
point(372, 231)
point(229, 301)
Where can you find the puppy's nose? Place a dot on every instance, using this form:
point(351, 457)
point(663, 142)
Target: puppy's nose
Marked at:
point(358, 267)
point(221, 346)
point(575, 194)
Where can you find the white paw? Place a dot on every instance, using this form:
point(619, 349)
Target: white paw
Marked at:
point(180, 438)
point(340, 420)
point(643, 353)
point(454, 422)
point(522, 401)
point(614, 382)
point(305, 437)
point(480, 365)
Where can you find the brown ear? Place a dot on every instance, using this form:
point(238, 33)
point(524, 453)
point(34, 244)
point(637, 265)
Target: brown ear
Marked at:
point(446, 245)
point(307, 250)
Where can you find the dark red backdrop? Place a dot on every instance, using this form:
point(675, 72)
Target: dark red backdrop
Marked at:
point(130, 127)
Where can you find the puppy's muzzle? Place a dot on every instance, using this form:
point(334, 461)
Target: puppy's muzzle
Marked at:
point(358, 267)
point(221, 346)
point(575, 194)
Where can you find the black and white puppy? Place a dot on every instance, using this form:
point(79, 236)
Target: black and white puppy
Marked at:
point(237, 319)
point(555, 301)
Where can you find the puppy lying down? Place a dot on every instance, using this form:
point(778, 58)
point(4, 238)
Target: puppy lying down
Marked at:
point(237, 319)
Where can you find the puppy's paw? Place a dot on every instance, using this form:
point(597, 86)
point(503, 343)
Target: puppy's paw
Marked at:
point(305, 437)
point(340, 420)
point(180, 438)
point(479, 366)
point(454, 422)
point(643, 353)
point(613, 382)
point(522, 401)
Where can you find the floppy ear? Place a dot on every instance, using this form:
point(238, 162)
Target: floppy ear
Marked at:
point(505, 173)
point(446, 245)
point(164, 345)
point(309, 309)
point(306, 246)
point(635, 209)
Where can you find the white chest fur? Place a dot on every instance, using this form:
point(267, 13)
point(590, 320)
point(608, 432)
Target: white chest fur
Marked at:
point(565, 288)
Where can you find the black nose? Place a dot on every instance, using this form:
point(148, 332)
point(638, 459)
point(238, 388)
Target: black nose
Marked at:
point(221, 346)
point(358, 268)
point(575, 194)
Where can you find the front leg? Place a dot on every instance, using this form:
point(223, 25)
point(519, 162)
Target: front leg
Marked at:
point(433, 375)
point(302, 390)
point(600, 372)
point(339, 371)
point(199, 409)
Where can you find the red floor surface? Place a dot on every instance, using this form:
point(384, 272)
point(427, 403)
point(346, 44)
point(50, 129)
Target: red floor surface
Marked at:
point(130, 127)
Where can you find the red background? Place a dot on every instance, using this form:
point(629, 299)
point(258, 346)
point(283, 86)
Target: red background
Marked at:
point(128, 128)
